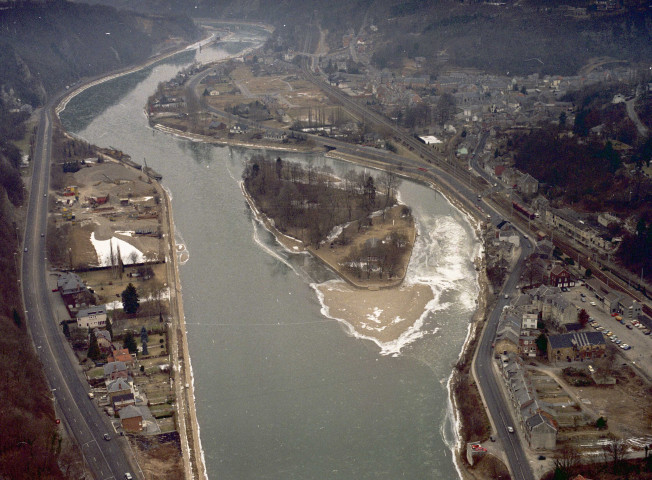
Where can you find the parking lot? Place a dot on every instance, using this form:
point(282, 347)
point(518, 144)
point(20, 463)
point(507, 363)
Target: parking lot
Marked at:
point(641, 344)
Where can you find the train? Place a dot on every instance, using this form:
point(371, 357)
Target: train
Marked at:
point(523, 211)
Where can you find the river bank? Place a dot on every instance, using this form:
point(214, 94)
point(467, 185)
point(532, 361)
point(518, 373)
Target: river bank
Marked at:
point(360, 310)
point(254, 356)
point(187, 424)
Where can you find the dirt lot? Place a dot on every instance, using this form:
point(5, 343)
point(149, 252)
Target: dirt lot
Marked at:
point(291, 93)
point(628, 404)
point(159, 456)
point(132, 205)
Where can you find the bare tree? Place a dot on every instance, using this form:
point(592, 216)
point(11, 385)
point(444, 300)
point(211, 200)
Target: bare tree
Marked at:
point(614, 451)
point(566, 459)
point(388, 183)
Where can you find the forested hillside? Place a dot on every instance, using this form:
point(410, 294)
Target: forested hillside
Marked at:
point(46, 46)
point(555, 37)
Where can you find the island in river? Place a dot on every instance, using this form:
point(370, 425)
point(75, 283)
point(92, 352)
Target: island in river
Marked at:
point(353, 225)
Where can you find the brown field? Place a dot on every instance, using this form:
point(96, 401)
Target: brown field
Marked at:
point(159, 456)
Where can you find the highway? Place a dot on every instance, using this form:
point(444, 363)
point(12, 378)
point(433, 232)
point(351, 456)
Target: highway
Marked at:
point(79, 414)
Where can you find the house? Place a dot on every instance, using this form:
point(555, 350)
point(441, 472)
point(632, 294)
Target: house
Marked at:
point(544, 249)
point(541, 431)
point(529, 321)
point(103, 340)
point(115, 370)
point(508, 333)
point(215, 125)
point(122, 400)
point(630, 308)
point(120, 393)
point(612, 302)
point(527, 184)
point(131, 419)
point(121, 355)
point(576, 346)
point(527, 344)
point(553, 306)
point(92, 317)
point(560, 277)
point(69, 283)
point(275, 136)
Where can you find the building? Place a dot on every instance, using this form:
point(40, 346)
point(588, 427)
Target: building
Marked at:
point(508, 333)
point(612, 302)
point(93, 317)
point(541, 431)
point(576, 346)
point(538, 424)
point(505, 232)
point(115, 370)
point(527, 345)
point(527, 184)
point(629, 308)
point(578, 227)
point(122, 400)
point(103, 340)
point(131, 419)
point(553, 306)
point(69, 283)
point(121, 355)
point(529, 321)
point(560, 277)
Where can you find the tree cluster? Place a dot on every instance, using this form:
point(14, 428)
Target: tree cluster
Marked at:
point(304, 201)
point(574, 171)
point(635, 252)
point(380, 258)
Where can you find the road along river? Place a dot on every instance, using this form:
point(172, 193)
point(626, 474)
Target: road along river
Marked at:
point(283, 391)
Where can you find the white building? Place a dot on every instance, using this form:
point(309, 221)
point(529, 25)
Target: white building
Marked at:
point(92, 317)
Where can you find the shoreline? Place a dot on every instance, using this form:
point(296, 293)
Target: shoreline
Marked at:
point(189, 431)
point(440, 186)
point(474, 220)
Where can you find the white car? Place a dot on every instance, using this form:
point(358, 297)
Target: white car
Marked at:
point(510, 429)
point(624, 346)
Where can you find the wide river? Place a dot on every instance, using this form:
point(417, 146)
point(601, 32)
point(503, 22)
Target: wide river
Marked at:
point(282, 391)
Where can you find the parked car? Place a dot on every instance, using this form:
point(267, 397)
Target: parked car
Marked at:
point(624, 346)
point(107, 437)
point(128, 476)
point(630, 327)
point(510, 429)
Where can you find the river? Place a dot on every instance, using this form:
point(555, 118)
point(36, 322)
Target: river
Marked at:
point(283, 392)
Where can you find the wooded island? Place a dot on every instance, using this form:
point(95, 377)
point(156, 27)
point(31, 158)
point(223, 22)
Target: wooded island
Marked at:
point(354, 224)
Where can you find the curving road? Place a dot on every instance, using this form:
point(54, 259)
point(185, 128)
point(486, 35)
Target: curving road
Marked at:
point(466, 187)
point(460, 185)
point(79, 415)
